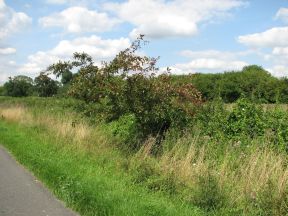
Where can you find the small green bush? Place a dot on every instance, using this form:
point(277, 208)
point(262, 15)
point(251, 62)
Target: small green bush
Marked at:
point(246, 119)
point(278, 125)
point(125, 130)
point(213, 118)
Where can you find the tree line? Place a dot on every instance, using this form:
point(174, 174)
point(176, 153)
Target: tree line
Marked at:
point(252, 82)
point(42, 85)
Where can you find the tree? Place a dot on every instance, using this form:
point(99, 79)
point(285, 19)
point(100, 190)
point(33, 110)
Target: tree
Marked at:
point(45, 86)
point(66, 78)
point(19, 86)
point(2, 90)
point(128, 85)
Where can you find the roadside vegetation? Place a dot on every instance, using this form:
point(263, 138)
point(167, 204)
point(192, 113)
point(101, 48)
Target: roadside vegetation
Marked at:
point(120, 139)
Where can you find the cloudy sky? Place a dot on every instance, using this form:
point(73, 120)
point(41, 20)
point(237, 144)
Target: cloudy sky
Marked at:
point(189, 35)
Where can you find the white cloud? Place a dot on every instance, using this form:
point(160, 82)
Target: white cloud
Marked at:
point(7, 51)
point(282, 51)
point(271, 38)
point(7, 69)
point(79, 19)
point(282, 14)
point(223, 55)
point(210, 61)
point(209, 65)
point(98, 48)
point(11, 21)
point(69, 2)
point(57, 1)
point(279, 70)
point(163, 18)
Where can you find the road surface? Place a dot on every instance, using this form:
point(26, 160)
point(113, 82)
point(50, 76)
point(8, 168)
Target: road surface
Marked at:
point(22, 195)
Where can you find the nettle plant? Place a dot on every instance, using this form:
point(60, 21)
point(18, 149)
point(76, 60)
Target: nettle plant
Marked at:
point(131, 84)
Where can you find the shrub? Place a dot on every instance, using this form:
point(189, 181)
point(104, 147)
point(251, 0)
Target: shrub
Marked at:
point(124, 129)
point(212, 118)
point(246, 119)
point(278, 124)
point(159, 105)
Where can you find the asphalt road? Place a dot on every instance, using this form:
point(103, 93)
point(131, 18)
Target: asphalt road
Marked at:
point(22, 195)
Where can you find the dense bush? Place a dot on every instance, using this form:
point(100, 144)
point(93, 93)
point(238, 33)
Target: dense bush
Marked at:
point(19, 86)
point(246, 119)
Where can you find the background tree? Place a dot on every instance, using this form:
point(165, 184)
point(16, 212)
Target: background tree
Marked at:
point(66, 77)
point(45, 86)
point(19, 86)
point(252, 82)
point(2, 90)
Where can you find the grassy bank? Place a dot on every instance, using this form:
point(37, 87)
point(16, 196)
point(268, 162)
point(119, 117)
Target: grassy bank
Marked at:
point(88, 180)
point(90, 185)
point(195, 174)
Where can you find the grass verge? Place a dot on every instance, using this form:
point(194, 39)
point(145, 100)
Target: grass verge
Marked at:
point(88, 184)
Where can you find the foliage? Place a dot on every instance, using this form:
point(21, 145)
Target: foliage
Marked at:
point(246, 119)
point(45, 86)
point(159, 105)
point(2, 90)
point(66, 78)
point(128, 85)
point(19, 86)
point(125, 131)
point(253, 82)
point(212, 118)
point(278, 125)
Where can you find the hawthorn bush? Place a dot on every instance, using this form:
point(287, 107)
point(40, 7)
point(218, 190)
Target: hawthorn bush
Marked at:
point(129, 85)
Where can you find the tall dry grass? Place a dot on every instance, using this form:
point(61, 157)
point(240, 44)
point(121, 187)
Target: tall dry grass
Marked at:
point(79, 133)
point(242, 182)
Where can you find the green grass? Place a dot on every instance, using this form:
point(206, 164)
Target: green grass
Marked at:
point(88, 184)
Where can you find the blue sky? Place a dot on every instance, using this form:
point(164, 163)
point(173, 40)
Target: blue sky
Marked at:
point(189, 35)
